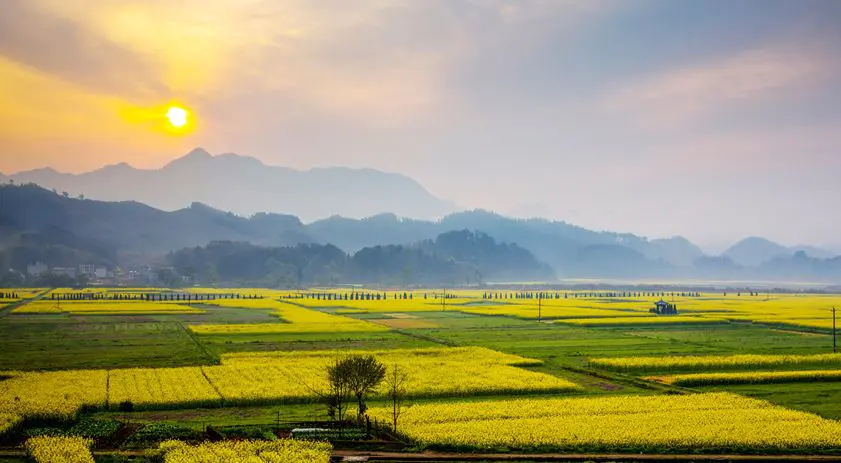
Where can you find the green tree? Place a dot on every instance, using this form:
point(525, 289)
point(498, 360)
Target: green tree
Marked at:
point(338, 388)
point(365, 373)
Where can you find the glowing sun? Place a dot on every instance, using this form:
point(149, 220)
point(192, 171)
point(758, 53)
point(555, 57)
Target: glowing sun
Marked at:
point(178, 117)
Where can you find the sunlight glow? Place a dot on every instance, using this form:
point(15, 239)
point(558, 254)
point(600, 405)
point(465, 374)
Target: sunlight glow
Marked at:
point(177, 116)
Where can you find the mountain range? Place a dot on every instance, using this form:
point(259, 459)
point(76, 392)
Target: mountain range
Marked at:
point(39, 225)
point(246, 186)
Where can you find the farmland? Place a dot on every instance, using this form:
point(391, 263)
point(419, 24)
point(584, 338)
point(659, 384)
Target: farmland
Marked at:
point(717, 420)
point(531, 372)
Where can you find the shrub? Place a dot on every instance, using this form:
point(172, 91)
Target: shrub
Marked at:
point(154, 433)
point(45, 432)
point(126, 406)
point(96, 429)
point(245, 432)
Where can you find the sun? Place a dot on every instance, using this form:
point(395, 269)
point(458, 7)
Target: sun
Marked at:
point(178, 117)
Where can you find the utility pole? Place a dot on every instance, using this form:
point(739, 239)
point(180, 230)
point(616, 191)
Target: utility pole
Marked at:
point(539, 305)
point(444, 301)
point(833, 330)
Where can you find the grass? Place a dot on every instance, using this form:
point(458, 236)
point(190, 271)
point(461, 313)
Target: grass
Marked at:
point(199, 419)
point(823, 399)
point(64, 342)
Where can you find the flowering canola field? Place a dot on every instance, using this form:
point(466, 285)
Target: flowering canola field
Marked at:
point(644, 423)
point(150, 388)
point(748, 377)
point(9, 421)
point(708, 362)
point(59, 449)
point(298, 320)
point(273, 376)
point(106, 308)
point(53, 394)
point(265, 378)
point(279, 451)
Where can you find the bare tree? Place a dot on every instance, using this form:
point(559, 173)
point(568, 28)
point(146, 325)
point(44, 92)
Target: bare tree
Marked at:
point(395, 382)
point(338, 388)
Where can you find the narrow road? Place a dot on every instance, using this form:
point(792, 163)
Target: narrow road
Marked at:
point(9, 308)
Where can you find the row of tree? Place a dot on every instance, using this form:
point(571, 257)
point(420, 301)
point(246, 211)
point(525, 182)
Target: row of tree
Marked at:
point(148, 297)
point(566, 295)
point(454, 258)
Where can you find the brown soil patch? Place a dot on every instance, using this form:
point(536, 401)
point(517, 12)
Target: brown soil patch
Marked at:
point(405, 324)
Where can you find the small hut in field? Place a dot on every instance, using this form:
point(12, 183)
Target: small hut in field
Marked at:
point(662, 307)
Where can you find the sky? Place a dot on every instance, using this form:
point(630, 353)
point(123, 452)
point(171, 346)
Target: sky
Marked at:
point(709, 119)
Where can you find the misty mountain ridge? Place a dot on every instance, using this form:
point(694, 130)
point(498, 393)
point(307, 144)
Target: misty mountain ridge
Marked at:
point(755, 251)
point(245, 186)
point(130, 232)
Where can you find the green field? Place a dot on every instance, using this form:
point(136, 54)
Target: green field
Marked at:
point(34, 342)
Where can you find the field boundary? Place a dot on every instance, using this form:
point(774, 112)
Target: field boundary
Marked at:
point(426, 337)
point(395, 457)
point(213, 358)
point(353, 455)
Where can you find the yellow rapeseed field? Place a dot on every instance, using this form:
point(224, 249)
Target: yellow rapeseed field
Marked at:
point(22, 293)
point(529, 310)
point(9, 421)
point(809, 310)
point(265, 378)
point(54, 394)
point(749, 377)
point(707, 362)
point(641, 423)
point(106, 307)
point(60, 449)
point(416, 304)
point(288, 376)
point(279, 451)
point(150, 388)
point(298, 320)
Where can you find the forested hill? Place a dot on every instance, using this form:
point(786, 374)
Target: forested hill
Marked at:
point(40, 225)
point(453, 258)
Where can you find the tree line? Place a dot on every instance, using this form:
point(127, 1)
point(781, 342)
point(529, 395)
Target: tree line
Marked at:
point(453, 258)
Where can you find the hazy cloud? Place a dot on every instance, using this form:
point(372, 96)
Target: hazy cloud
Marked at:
point(685, 95)
point(57, 46)
point(649, 116)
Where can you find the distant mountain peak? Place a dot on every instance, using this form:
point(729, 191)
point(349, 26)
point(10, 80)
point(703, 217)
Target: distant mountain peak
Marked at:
point(44, 170)
point(195, 157)
point(245, 185)
point(122, 166)
point(199, 153)
point(754, 250)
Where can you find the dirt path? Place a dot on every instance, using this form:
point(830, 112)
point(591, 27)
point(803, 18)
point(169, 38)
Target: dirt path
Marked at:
point(14, 305)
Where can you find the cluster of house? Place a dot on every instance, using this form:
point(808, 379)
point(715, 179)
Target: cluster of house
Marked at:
point(89, 270)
